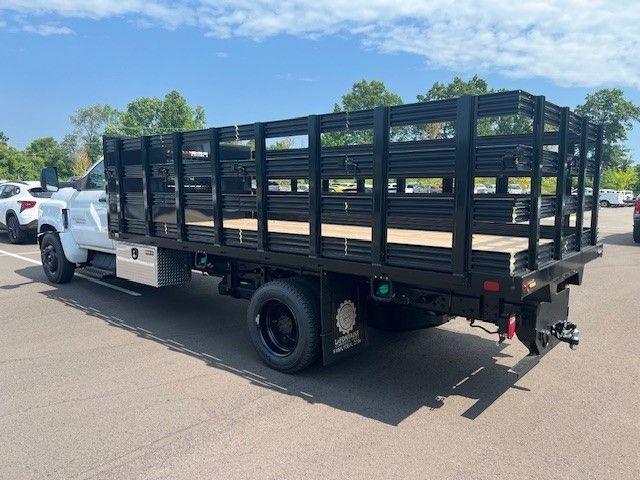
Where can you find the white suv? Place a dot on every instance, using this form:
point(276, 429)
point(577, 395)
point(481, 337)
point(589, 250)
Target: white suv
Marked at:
point(18, 212)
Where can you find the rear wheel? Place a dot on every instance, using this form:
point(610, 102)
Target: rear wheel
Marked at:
point(636, 233)
point(605, 203)
point(56, 266)
point(16, 235)
point(284, 324)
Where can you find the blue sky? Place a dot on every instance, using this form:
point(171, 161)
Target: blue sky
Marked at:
point(257, 61)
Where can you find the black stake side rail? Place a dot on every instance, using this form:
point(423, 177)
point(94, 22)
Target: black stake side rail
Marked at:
point(552, 125)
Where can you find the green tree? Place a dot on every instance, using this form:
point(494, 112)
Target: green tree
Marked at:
point(617, 114)
point(363, 95)
point(141, 117)
point(502, 125)
point(178, 115)
point(282, 144)
point(456, 88)
point(69, 145)
point(17, 165)
point(4, 140)
point(82, 162)
point(620, 178)
point(150, 115)
point(52, 153)
point(90, 124)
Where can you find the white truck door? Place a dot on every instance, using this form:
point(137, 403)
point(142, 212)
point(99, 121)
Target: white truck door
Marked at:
point(88, 212)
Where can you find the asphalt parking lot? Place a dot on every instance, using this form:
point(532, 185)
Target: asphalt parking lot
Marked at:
point(132, 382)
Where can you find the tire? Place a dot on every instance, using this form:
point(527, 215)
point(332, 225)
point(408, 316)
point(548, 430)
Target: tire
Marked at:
point(16, 235)
point(283, 320)
point(636, 233)
point(605, 203)
point(400, 318)
point(56, 266)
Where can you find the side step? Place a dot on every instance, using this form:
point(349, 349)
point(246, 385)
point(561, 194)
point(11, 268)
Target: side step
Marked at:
point(98, 273)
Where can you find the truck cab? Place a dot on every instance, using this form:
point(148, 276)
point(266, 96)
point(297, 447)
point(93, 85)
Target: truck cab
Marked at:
point(77, 214)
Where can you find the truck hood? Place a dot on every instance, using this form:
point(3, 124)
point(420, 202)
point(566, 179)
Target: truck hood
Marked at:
point(63, 195)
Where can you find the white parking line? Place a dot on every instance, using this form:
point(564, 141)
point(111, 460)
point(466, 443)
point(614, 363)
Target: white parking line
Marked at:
point(92, 280)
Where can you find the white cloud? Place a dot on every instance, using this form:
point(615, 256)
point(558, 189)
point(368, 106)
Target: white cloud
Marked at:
point(571, 42)
point(47, 30)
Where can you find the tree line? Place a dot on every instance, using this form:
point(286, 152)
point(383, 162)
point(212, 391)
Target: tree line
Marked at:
point(79, 149)
point(76, 151)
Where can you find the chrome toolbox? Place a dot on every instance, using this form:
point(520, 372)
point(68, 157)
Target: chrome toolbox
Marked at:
point(148, 265)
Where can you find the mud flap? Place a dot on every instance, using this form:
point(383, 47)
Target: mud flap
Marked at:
point(344, 327)
point(535, 329)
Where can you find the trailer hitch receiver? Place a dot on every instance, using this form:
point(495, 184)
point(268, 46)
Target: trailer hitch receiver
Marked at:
point(567, 332)
point(543, 326)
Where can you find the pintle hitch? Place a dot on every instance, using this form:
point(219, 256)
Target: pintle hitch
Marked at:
point(567, 332)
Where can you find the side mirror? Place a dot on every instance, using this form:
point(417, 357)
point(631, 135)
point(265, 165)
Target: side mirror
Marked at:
point(49, 179)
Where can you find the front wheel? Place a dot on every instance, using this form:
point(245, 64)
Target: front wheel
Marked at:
point(605, 203)
point(56, 266)
point(284, 324)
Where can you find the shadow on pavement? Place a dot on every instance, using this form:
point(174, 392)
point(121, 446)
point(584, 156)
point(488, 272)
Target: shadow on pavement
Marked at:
point(625, 239)
point(4, 239)
point(396, 376)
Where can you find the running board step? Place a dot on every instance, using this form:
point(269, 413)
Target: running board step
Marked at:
point(98, 273)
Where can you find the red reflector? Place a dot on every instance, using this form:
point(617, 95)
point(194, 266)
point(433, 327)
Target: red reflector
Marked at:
point(26, 204)
point(511, 326)
point(491, 286)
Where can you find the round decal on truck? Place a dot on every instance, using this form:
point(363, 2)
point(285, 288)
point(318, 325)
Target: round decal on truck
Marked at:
point(346, 317)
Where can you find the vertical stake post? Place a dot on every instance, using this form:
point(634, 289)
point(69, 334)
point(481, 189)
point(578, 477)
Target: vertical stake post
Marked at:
point(536, 182)
point(466, 117)
point(380, 184)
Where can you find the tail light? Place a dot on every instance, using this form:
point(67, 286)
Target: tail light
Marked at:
point(511, 326)
point(637, 206)
point(26, 204)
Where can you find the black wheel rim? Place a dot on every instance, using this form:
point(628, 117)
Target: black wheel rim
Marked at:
point(13, 228)
point(50, 258)
point(278, 328)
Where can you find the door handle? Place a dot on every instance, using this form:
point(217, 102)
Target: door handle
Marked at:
point(103, 199)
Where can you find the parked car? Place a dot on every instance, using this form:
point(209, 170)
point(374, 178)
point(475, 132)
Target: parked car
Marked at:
point(629, 199)
point(18, 212)
point(481, 189)
point(611, 198)
point(636, 221)
point(417, 188)
point(515, 189)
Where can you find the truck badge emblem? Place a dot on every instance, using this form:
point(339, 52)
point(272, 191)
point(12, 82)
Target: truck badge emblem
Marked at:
point(346, 317)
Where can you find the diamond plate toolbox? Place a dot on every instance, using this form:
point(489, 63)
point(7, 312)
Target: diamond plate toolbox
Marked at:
point(148, 265)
